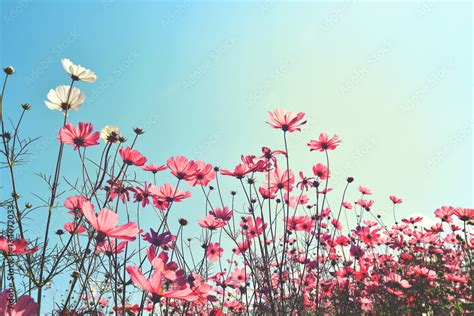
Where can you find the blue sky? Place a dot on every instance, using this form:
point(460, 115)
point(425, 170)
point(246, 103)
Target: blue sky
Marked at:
point(394, 80)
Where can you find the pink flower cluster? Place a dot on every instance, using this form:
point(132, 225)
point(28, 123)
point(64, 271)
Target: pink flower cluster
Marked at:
point(276, 244)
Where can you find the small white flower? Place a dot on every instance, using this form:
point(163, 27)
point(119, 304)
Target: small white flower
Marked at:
point(58, 97)
point(110, 134)
point(78, 72)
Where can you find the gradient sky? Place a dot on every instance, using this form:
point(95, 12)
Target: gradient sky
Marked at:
point(394, 80)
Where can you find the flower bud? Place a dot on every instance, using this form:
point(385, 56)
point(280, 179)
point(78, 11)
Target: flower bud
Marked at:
point(9, 70)
point(26, 106)
point(138, 130)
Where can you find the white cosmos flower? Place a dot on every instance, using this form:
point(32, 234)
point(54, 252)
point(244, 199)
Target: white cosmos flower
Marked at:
point(110, 134)
point(78, 72)
point(58, 97)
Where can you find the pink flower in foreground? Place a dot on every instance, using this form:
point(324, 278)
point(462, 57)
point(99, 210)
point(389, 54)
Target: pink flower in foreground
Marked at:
point(132, 157)
point(17, 247)
point(181, 167)
point(23, 307)
point(214, 251)
point(80, 137)
point(105, 223)
point(286, 121)
point(203, 174)
point(324, 143)
point(464, 214)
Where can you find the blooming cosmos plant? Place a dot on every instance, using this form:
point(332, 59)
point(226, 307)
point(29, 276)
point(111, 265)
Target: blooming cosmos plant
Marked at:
point(277, 240)
point(83, 136)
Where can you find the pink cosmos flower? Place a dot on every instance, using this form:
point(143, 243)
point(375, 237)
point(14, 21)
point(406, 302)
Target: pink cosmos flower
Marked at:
point(252, 228)
point(266, 193)
point(74, 204)
point(294, 201)
point(324, 143)
point(300, 223)
point(181, 167)
point(321, 171)
point(132, 157)
point(225, 214)
point(105, 223)
point(279, 179)
point(337, 224)
point(109, 247)
point(342, 241)
point(464, 214)
point(211, 222)
point(72, 228)
point(364, 190)
point(367, 204)
point(444, 213)
point(203, 174)
point(238, 277)
point(305, 182)
point(214, 251)
point(142, 195)
point(166, 194)
point(25, 305)
point(347, 205)
point(395, 200)
point(367, 236)
point(258, 166)
point(118, 189)
point(80, 137)
point(412, 220)
point(154, 168)
point(242, 246)
point(155, 285)
point(240, 171)
point(17, 247)
point(286, 121)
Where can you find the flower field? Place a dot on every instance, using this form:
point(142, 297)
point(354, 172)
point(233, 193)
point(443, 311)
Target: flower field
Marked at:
point(281, 242)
